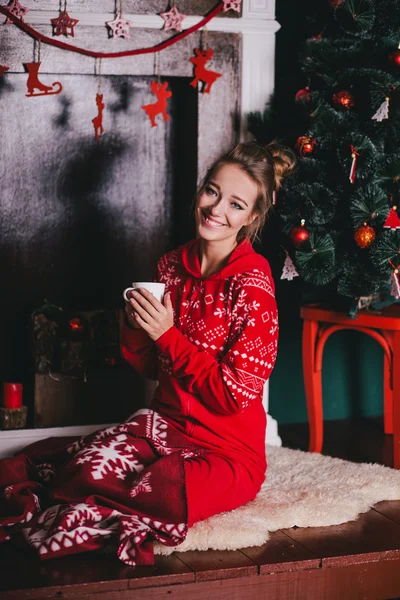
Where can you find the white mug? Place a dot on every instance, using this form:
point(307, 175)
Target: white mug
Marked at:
point(157, 289)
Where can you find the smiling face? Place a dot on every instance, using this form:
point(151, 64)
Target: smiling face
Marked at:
point(225, 205)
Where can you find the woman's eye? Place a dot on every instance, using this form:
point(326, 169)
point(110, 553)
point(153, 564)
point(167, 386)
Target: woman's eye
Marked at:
point(237, 206)
point(210, 191)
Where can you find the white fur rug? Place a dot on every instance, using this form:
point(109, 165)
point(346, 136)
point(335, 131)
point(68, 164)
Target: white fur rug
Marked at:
point(303, 489)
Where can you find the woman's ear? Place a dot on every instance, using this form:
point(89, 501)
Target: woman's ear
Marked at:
point(252, 218)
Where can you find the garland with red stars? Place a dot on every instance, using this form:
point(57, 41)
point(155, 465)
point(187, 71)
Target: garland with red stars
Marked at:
point(152, 49)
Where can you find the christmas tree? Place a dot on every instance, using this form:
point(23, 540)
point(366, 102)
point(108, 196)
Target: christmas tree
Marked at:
point(339, 214)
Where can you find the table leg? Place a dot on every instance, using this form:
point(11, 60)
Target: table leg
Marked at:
point(313, 386)
point(387, 396)
point(396, 400)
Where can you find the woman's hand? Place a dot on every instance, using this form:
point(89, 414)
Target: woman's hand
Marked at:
point(152, 316)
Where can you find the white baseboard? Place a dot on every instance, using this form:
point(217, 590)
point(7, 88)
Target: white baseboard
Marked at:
point(12, 441)
point(273, 438)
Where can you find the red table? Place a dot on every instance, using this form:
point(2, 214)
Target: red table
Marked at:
point(384, 327)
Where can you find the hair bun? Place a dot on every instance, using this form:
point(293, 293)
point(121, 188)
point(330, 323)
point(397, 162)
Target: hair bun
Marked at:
point(284, 161)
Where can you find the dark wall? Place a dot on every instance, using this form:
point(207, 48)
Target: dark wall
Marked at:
point(353, 363)
point(80, 219)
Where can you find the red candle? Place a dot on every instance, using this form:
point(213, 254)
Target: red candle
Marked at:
point(12, 395)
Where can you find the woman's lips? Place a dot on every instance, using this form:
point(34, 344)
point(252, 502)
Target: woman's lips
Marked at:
point(210, 222)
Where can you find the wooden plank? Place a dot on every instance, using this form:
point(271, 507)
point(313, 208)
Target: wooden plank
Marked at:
point(85, 574)
point(353, 582)
point(214, 564)
point(281, 554)
point(370, 537)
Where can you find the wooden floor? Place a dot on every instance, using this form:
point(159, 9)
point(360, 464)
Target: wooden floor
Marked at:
point(357, 560)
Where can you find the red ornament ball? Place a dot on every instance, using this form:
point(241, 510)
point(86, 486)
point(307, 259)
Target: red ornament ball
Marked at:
point(76, 325)
point(343, 99)
point(394, 57)
point(303, 94)
point(305, 144)
point(298, 235)
point(364, 236)
point(335, 3)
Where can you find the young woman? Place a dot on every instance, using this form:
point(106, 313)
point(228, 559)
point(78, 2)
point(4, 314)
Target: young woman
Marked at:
point(200, 447)
point(212, 344)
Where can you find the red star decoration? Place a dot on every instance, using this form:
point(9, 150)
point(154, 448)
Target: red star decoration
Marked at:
point(17, 10)
point(173, 19)
point(232, 5)
point(3, 69)
point(64, 25)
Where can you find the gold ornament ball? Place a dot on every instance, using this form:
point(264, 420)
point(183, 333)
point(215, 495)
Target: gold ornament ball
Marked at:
point(364, 236)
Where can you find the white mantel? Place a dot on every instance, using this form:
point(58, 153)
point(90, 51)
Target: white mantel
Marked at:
point(258, 26)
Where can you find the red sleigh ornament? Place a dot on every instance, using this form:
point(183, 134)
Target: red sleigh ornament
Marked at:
point(159, 107)
point(33, 82)
point(98, 119)
point(200, 72)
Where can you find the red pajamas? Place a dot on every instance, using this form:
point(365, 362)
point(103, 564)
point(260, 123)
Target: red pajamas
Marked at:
point(215, 484)
point(211, 367)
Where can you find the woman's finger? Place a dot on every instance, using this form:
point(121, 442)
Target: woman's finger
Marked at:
point(143, 312)
point(151, 299)
point(146, 303)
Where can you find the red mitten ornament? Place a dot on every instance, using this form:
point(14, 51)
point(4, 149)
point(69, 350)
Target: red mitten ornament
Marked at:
point(159, 107)
point(392, 220)
point(200, 72)
point(98, 119)
point(33, 82)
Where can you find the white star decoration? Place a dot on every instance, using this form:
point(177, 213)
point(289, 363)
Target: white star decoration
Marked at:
point(17, 10)
point(173, 19)
point(120, 27)
point(232, 4)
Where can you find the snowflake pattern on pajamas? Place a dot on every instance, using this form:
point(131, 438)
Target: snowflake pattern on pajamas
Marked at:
point(226, 324)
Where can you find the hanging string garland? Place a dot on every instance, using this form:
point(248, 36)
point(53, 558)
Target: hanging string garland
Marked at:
point(33, 83)
point(136, 52)
point(64, 24)
point(172, 19)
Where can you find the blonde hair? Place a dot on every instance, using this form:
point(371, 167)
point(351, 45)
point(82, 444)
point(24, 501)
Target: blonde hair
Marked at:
point(267, 166)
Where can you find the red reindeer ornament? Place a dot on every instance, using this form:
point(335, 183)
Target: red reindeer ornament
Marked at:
point(33, 82)
point(159, 107)
point(200, 72)
point(98, 119)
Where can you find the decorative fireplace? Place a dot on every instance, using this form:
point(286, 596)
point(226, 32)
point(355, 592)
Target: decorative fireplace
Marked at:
point(81, 219)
